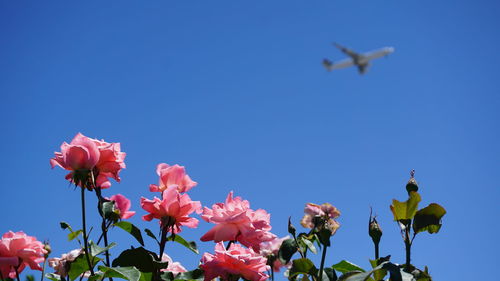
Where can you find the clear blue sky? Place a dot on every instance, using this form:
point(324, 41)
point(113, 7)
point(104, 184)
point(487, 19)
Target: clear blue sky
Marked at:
point(235, 91)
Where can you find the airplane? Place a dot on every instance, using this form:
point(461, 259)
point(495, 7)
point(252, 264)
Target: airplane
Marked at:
point(362, 61)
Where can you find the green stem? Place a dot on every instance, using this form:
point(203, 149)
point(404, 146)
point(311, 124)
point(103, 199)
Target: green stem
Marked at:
point(322, 265)
point(408, 249)
point(376, 251)
point(85, 238)
point(298, 247)
point(43, 268)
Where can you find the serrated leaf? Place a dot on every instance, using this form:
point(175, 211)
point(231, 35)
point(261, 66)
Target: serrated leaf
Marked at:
point(80, 266)
point(191, 245)
point(379, 274)
point(287, 249)
point(75, 234)
point(30, 277)
point(429, 219)
point(346, 266)
point(359, 276)
point(308, 244)
point(132, 230)
point(405, 210)
point(302, 266)
point(96, 249)
point(53, 277)
point(129, 273)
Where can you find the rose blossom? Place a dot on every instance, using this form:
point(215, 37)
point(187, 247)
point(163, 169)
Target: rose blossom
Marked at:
point(173, 210)
point(236, 261)
point(172, 177)
point(235, 221)
point(174, 267)
point(326, 211)
point(61, 265)
point(19, 250)
point(271, 248)
point(85, 155)
point(123, 205)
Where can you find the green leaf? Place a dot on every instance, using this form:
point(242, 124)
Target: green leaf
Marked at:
point(141, 258)
point(30, 277)
point(346, 266)
point(53, 277)
point(129, 273)
point(429, 219)
point(146, 276)
point(379, 274)
point(287, 249)
point(80, 266)
point(191, 245)
point(405, 210)
point(132, 229)
point(65, 225)
point(330, 274)
point(96, 250)
point(302, 266)
point(151, 234)
point(72, 235)
point(308, 243)
point(360, 276)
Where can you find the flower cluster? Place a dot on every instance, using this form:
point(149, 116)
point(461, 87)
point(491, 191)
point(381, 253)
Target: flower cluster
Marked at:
point(18, 250)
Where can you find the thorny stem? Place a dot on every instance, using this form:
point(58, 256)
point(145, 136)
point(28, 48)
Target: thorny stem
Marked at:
point(104, 228)
point(298, 247)
point(43, 268)
point(85, 240)
point(408, 243)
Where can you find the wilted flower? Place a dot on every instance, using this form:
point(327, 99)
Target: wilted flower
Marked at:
point(84, 156)
point(324, 214)
point(18, 250)
point(235, 262)
point(172, 211)
point(172, 177)
point(122, 203)
point(235, 221)
point(174, 267)
point(61, 265)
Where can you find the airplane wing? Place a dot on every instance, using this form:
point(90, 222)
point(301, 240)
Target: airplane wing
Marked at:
point(347, 51)
point(337, 65)
point(378, 53)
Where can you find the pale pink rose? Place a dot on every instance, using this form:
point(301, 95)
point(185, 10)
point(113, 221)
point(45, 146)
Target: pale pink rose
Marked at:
point(236, 261)
point(19, 250)
point(123, 205)
point(271, 248)
point(172, 177)
point(326, 211)
point(235, 221)
point(85, 155)
point(80, 153)
point(61, 265)
point(173, 210)
point(174, 267)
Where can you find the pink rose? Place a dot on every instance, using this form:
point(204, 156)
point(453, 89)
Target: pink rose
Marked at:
point(235, 221)
point(326, 211)
point(85, 155)
point(123, 205)
point(61, 265)
point(271, 248)
point(19, 250)
point(173, 210)
point(236, 261)
point(172, 177)
point(174, 267)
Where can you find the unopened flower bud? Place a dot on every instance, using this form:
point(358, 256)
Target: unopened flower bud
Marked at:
point(291, 228)
point(412, 183)
point(46, 247)
point(374, 230)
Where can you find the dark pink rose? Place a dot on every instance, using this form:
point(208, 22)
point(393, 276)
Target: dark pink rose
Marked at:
point(236, 261)
point(20, 250)
point(173, 210)
point(235, 221)
point(172, 177)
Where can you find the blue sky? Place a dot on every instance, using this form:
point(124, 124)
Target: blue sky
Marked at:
point(235, 91)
